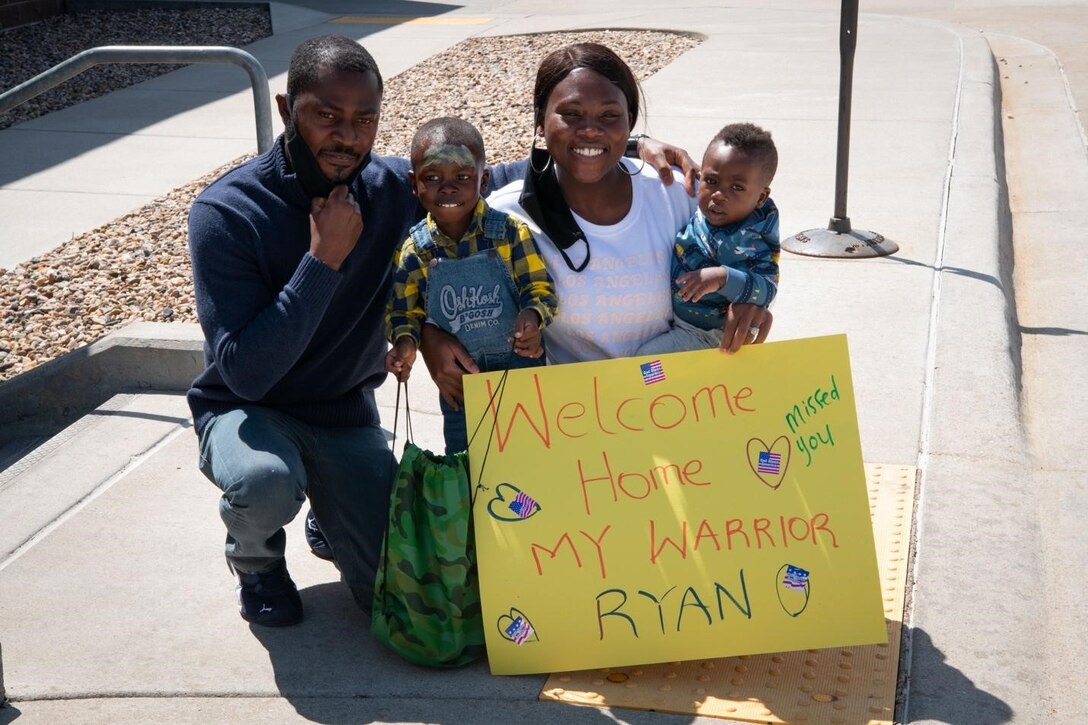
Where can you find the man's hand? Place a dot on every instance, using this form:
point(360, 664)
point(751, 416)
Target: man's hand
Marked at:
point(745, 324)
point(335, 226)
point(663, 157)
point(703, 281)
point(447, 362)
point(399, 360)
point(527, 334)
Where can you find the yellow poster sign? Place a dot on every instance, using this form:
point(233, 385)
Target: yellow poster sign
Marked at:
point(679, 507)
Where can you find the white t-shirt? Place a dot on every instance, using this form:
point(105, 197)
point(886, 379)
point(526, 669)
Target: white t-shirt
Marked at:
point(622, 298)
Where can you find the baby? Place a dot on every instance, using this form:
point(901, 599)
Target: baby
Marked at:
point(729, 250)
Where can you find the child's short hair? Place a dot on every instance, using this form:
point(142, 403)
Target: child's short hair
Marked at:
point(448, 130)
point(750, 140)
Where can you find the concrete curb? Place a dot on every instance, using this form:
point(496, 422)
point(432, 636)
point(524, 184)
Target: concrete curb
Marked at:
point(142, 356)
point(974, 277)
point(972, 458)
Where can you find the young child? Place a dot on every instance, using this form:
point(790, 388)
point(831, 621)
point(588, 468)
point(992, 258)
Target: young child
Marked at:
point(729, 250)
point(470, 270)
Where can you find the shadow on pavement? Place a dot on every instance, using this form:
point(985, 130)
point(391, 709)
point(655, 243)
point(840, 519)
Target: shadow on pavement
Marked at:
point(980, 276)
point(9, 713)
point(333, 671)
point(1052, 331)
point(941, 693)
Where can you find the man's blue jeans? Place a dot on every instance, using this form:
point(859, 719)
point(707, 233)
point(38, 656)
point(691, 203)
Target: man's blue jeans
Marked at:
point(267, 463)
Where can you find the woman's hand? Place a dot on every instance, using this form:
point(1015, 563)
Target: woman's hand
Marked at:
point(447, 362)
point(745, 324)
point(663, 157)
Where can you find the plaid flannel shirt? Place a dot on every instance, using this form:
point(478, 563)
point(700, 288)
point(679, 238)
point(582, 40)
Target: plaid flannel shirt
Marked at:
point(534, 287)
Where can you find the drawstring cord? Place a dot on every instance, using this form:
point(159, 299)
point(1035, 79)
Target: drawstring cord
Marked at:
point(499, 389)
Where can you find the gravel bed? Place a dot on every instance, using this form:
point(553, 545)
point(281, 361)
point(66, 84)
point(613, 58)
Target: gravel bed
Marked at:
point(28, 50)
point(137, 267)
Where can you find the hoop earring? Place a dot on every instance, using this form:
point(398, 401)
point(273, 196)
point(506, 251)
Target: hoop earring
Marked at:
point(534, 152)
point(636, 172)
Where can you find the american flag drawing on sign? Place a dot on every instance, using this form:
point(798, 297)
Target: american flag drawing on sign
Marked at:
point(523, 505)
point(769, 462)
point(652, 372)
point(796, 577)
point(519, 630)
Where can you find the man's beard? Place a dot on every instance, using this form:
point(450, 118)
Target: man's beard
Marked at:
point(304, 164)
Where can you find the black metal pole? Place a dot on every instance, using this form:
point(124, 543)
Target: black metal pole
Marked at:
point(848, 37)
point(839, 239)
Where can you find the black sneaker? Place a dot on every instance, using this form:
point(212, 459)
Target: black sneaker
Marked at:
point(270, 598)
point(319, 545)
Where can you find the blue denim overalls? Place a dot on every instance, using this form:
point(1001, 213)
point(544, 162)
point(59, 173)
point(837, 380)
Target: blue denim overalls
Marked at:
point(474, 299)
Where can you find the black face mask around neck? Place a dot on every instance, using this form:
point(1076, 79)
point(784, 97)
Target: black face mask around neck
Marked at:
point(543, 201)
point(303, 163)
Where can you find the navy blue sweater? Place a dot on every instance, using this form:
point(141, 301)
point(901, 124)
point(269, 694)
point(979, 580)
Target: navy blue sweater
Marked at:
point(281, 328)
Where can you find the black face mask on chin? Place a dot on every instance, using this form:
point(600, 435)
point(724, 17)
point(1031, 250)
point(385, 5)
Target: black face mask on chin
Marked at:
point(303, 163)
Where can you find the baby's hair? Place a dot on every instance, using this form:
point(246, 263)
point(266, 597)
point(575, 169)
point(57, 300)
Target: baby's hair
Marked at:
point(448, 130)
point(751, 141)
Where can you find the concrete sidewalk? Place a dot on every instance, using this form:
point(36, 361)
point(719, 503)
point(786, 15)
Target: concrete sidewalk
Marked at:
point(114, 602)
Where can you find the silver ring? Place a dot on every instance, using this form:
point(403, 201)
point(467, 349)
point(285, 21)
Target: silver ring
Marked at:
point(753, 331)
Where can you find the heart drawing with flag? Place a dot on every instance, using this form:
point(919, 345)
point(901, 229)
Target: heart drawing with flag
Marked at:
point(769, 462)
point(510, 503)
point(516, 627)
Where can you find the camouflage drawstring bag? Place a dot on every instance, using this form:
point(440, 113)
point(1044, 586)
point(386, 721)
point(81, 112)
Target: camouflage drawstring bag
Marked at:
point(426, 595)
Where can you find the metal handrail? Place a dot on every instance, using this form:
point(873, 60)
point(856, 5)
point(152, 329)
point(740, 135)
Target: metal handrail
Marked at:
point(75, 65)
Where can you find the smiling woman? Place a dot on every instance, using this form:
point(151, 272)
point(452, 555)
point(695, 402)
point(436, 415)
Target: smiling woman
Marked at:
point(586, 102)
point(585, 120)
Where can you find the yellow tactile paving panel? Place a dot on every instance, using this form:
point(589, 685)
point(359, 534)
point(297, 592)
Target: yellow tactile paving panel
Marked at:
point(403, 20)
point(848, 685)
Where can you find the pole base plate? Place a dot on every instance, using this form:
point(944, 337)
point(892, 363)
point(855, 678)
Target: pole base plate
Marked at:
point(855, 244)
